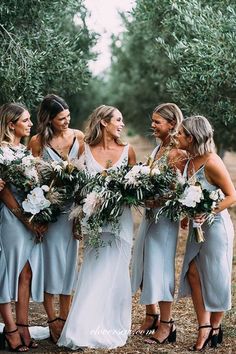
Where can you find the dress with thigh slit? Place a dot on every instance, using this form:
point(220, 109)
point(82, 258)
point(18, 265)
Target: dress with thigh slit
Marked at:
point(17, 247)
point(213, 257)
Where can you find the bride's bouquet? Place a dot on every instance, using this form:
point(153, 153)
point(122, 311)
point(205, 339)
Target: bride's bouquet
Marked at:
point(98, 202)
point(191, 200)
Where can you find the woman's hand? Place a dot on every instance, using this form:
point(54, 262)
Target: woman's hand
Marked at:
point(200, 219)
point(37, 229)
point(75, 232)
point(184, 223)
point(2, 184)
point(151, 203)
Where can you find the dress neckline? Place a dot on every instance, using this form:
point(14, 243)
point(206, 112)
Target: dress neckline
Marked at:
point(58, 154)
point(102, 167)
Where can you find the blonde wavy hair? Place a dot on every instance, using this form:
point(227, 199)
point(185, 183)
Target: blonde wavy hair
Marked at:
point(9, 112)
point(93, 130)
point(173, 114)
point(201, 130)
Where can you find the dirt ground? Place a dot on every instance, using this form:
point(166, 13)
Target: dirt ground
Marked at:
point(183, 310)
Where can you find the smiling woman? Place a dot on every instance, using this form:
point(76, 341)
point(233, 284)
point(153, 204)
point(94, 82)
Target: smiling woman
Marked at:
point(57, 142)
point(100, 316)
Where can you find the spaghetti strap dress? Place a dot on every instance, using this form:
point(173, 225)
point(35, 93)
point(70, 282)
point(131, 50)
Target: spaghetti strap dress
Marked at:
point(17, 247)
point(59, 247)
point(153, 261)
point(100, 315)
point(213, 257)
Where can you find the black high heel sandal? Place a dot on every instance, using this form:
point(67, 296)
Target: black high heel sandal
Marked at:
point(216, 338)
point(171, 338)
point(194, 349)
point(4, 340)
point(152, 328)
point(32, 344)
point(52, 337)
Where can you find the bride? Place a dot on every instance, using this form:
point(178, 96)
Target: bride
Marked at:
point(100, 316)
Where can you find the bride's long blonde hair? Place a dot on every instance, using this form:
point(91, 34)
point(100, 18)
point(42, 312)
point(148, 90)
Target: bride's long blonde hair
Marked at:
point(93, 131)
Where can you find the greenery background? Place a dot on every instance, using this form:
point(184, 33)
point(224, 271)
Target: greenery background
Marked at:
point(171, 50)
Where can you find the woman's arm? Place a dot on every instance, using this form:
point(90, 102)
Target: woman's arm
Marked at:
point(2, 184)
point(35, 146)
point(11, 203)
point(80, 138)
point(217, 174)
point(178, 159)
point(131, 156)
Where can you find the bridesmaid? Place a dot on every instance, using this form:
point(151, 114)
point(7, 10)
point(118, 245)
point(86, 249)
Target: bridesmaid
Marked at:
point(153, 268)
point(21, 259)
point(55, 141)
point(100, 315)
point(206, 273)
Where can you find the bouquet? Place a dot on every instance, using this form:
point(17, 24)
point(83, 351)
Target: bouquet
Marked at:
point(18, 167)
point(97, 203)
point(42, 204)
point(152, 180)
point(190, 200)
point(62, 175)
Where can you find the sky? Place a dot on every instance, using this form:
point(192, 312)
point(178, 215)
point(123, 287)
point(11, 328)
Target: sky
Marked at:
point(105, 20)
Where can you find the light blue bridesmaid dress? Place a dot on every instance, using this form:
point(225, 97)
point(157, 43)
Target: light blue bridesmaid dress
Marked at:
point(153, 261)
point(213, 257)
point(100, 315)
point(17, 247)
point(59, 247)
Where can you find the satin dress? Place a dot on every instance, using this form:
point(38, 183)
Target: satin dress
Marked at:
point(153, 261)
point(213, 257)
point(17, 247)
point(100, 315)
point(60, 249)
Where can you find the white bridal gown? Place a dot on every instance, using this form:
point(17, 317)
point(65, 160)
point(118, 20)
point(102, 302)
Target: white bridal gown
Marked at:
point(100, 315)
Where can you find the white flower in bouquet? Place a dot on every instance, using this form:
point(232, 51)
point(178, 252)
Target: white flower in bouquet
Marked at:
point(31, 173)
point(191, 196)
point(28, 161)
point(133, 176)
point(217, 195)
point(45, 188)
point(35, 201)
point(56, 166)
point(91, 203)
point(180, 178)
point(19, 154)
point(65, 164)
point(155, 171)
point(145, 170)
point(80, 163)
point(7, 156)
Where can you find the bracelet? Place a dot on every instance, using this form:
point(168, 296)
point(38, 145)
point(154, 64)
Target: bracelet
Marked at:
point(16, 211)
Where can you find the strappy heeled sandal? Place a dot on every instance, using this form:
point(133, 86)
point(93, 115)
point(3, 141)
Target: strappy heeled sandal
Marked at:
point(152, 328)
point(32, 344)
point(216, 338)
point(53, 337)
point(171, 338)
point(21, 348)
point(194, 348)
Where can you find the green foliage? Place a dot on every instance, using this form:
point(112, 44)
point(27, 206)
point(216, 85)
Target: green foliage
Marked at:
point(203, 50)
point(181, 51)
point(42, 49)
